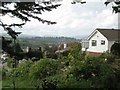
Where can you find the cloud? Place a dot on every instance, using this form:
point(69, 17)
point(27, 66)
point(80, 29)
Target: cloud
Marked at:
point(73, 20)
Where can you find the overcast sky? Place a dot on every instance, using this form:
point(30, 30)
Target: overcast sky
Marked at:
point(72, 20)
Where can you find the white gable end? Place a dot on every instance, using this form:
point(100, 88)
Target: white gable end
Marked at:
point(98, 43)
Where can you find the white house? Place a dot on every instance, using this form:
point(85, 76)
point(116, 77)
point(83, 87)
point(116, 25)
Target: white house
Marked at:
point(101, 40)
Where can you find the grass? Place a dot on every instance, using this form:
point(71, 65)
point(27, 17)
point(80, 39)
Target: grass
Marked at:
point(26, 82)
point(19, 83)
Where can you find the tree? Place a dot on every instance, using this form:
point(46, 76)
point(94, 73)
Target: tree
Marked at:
point(24, 11)
point(50, 51)
point(116, 8)
point(115, 49)
point(6, 45)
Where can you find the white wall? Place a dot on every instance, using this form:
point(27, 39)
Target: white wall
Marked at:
point(99, 48)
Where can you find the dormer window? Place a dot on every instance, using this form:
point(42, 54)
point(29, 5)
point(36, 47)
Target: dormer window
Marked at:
point(94, 42)
point(102, 42)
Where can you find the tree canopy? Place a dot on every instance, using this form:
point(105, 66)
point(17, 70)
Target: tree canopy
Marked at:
point(116, 7)
point(24, 11)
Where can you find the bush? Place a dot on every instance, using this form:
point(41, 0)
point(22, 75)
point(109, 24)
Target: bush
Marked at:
point(52, 55)
point(95, 69)
point(69, 81)
point(43, 68)
point(115, 49)
point(10, 62)
point(21, 70)
point(110, 58)
point(4, 71)
point(65, 53)
point(50, 82)
point(34, 53)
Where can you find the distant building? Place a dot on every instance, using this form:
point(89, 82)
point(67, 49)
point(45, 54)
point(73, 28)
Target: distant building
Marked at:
point(27, 49)
point(64, 47)
point(101, 40)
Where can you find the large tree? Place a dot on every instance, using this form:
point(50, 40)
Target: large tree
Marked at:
point(23, 11)
point(116, 6)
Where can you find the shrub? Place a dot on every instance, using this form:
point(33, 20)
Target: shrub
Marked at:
point(65, 53)
point(34, 53)
point(21, 70)
point(115, 49)
point(10, 62)
point(52, 55)
point(110, 58)
point(50, 82)
point(70, 82)
point(43, 68)
point(4, 71)
point(95, 69)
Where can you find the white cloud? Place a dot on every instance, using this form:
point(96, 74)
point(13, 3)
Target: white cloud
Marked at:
point(73, 20)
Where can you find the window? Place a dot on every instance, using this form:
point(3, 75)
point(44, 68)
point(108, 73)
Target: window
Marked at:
point(94, 43)
point(85, 44)
point(102, 42)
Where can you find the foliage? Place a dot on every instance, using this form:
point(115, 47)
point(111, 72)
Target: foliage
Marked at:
point(6, 46)
point(115, 49)
point(10, 62)
point(35, 53)
point(43, 68)
point(65, 53)
point(21, 70)
point(24, 11)
point(34, 42)
point(50, 49)
point(17, 48)
point(4, 71)
point(71, 82)
point(116, 7)
point(76, 53)
point(95, 69)
point(73, 71)
point(49, 83)
point(52, 55)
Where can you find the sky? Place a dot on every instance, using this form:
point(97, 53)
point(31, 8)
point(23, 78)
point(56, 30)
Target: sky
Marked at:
point(78, 20)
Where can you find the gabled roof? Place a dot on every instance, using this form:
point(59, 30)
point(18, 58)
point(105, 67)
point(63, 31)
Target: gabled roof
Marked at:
point(110, 34)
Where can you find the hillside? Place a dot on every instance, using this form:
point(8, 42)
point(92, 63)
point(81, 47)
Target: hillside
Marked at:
point(42, 41)
point(36, 41)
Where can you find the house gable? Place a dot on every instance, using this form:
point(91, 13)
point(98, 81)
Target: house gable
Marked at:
point(110, 34)
point(97, 38)
point(91, 35)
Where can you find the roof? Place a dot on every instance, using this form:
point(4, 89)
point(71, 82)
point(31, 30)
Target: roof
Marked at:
point(110, 34)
